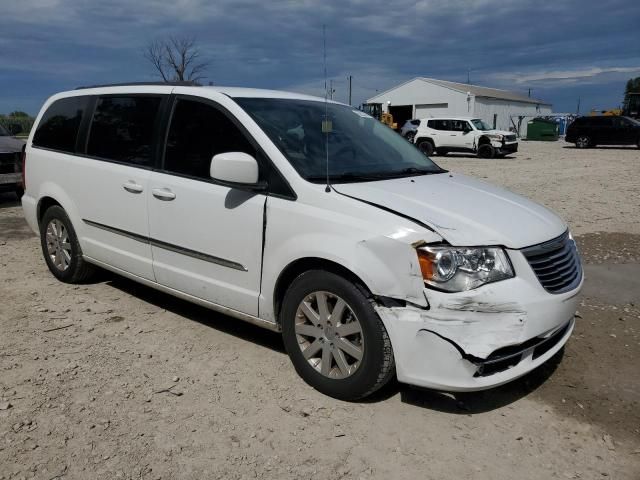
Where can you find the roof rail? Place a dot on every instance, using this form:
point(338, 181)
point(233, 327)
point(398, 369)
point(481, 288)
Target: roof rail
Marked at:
point(133, 84)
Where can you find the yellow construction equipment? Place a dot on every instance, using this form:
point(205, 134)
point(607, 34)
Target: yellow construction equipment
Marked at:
point(375, 110)
point(614, 112)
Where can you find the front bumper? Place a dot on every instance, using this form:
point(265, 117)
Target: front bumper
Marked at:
point(10, 178)
point(506, 148)
point(481, 338)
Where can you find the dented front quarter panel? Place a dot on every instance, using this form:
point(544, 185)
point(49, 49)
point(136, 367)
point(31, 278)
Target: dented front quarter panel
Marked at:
point(373, 244)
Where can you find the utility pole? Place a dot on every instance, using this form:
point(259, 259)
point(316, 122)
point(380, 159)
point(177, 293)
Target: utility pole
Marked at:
point(468, 76)
point(349, 89)
point(529, 93)
point(578, 109)
point(331, 89)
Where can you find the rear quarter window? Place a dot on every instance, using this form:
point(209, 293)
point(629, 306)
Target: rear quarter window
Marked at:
point(58, 127)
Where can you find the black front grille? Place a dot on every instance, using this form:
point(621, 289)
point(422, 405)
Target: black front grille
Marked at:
point(556, 263)
point(510, 138)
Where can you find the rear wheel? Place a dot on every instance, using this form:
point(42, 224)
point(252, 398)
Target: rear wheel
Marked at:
point(61, 249)
point(426, 147)
point(583, 141)
point(486, 151)
point(334, 337)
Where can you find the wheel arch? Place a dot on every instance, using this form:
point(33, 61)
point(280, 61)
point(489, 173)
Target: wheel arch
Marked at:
point(423, 138)
point(301, 265)
point(483, 140)
point(43, 205)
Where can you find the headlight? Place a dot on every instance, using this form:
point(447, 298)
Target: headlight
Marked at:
point(464, 268)
point(495, 136)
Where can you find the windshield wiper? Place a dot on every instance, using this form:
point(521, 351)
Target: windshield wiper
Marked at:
point(411, 171)
point(369, 177)
point(347, 177)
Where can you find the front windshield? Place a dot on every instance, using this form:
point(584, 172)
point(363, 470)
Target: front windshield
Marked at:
point(360, 148)
point(3, 132)
point(480, 125)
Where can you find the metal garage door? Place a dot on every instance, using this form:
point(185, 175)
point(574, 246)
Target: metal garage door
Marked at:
point(431, 110)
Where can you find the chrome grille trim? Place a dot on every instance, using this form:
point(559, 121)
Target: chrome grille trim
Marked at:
point(556, 263)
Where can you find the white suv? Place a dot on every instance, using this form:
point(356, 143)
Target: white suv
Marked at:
point(471, 135)
point(306, 217)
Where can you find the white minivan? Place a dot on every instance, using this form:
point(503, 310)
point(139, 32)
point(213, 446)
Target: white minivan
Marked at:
point(305, 217)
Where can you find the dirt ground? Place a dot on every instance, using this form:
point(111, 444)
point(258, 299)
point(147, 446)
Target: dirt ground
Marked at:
point(112, 380)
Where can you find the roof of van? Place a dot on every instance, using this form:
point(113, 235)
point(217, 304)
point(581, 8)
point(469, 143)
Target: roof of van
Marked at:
point(233, 92)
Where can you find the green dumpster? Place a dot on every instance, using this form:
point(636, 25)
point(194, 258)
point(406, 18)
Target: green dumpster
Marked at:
point(542, 129)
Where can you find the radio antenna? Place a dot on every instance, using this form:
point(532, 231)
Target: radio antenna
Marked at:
point(325, 122)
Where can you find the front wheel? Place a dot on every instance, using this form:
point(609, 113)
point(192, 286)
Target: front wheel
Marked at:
point(486, 151)
point(335, 339)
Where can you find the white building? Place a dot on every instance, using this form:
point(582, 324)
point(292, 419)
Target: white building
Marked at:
point(428, 97)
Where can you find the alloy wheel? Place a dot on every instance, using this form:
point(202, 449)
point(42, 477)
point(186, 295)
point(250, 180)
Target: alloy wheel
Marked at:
point(58, 244)
point(329, 335)
point(582, 141)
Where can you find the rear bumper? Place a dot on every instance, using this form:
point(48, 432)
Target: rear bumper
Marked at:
point(481, 338)
point(29, 208)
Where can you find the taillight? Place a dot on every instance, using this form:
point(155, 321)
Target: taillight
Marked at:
point(24, 169)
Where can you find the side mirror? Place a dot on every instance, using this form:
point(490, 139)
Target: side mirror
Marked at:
point(237, 170)
point(15, 128)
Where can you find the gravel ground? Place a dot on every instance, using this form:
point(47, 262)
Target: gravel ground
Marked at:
point(113, 380)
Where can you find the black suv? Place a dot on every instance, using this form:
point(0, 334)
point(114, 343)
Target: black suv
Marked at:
point(11, 160)
point(591, 131)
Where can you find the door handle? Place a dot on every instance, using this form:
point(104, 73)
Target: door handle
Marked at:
point(132, 187)
point(163, 194)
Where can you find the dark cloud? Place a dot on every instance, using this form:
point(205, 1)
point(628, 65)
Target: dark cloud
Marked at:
point(562, 50)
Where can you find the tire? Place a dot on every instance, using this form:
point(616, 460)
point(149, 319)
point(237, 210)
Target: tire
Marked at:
point(19, 192)
point(426, 147)
point(344, 376)
point(583, 141)
point(59, 239)
point(486, 151)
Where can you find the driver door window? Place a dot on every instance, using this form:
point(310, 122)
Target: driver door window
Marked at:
point(198, 132)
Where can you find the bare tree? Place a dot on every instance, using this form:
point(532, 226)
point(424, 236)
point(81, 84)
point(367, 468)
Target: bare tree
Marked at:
point(176, 59)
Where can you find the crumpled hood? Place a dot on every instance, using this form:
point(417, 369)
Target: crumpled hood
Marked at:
point(498, 132)
point(463, 210)
point(10, 144)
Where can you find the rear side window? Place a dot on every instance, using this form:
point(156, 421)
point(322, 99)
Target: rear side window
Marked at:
point(458, 125)
point(122, 129)
point(198, 132)
point(600, 121)
point(58, 127)
point(439, 124)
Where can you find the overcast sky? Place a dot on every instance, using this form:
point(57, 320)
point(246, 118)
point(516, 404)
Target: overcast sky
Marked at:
point(560, 49)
